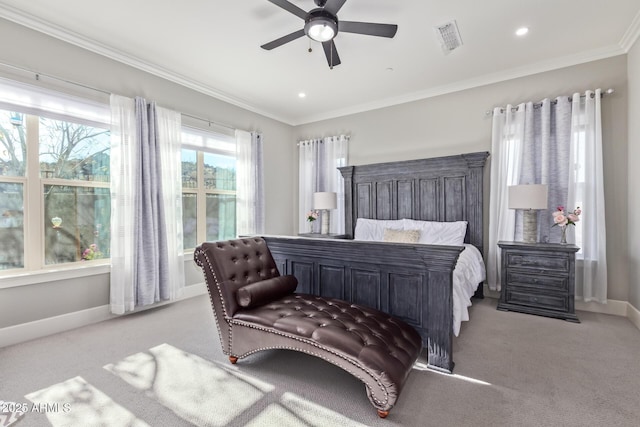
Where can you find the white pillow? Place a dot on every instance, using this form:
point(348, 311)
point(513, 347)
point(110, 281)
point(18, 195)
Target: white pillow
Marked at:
point(438, 233)
point(373, 229)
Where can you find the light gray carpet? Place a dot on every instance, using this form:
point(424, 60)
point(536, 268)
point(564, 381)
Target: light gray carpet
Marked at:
point(164, 367)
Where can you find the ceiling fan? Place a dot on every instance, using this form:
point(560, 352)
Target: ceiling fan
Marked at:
point(322, 25)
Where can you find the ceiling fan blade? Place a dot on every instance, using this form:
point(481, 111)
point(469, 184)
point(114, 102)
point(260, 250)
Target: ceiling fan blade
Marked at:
point(368, 28)
point(283, 40)
point(290, 7)
point(331, 53)
point(333, 6)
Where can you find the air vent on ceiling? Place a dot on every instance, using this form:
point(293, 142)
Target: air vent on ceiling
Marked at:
point(448, 36)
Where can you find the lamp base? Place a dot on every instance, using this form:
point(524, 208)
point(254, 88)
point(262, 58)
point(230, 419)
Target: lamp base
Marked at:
point(530, 226)
point(325, 221)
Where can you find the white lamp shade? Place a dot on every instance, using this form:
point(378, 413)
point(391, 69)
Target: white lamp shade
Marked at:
point(531, 196)
point(325, 200)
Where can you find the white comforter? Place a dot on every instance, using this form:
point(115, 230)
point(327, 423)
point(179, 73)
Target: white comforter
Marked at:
point(468, 273)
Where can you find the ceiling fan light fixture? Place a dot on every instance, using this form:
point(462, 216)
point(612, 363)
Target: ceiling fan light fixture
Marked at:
point(321, 32)
point(321, 26)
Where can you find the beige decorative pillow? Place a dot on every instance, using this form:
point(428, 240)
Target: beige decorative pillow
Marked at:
point(401, 236)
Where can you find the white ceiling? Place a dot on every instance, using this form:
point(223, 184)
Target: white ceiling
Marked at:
point(214, 46)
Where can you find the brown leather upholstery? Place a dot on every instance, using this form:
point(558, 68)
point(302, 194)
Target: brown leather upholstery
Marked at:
point(371, 345)
point(265, 291)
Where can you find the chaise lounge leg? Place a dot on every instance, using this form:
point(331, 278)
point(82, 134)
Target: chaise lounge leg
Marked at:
point(383, 414)
point(233, 360)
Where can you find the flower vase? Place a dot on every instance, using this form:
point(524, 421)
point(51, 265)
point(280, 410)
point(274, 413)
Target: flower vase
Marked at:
point(563, 235)
point(310, 226)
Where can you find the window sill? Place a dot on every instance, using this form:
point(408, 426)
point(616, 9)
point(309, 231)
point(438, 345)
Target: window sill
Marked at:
point(25, 278)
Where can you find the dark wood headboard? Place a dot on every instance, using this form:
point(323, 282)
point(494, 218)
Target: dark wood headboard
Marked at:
point(437, 189)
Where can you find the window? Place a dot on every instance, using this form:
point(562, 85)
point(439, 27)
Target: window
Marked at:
point(54, 184)
point(208, 187)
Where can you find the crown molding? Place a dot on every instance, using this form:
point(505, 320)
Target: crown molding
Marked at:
point(50, 29)
point(487, 79)
point(21, 18)
point(631, 35)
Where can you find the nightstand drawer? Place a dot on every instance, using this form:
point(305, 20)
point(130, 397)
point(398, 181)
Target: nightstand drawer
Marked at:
point(518, 277)
point(538, 261)
point(548, 301)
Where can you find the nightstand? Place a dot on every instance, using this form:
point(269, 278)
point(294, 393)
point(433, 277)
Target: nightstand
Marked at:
point(323, 236)
point(538, 278)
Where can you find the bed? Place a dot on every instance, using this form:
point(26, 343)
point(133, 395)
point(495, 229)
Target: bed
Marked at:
point(469, 272)
point(411, 281)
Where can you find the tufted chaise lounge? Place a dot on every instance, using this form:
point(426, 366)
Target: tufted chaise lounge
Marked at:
point(256, 309)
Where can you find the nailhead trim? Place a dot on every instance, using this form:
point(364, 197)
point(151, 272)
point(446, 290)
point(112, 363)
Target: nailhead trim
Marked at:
point(200, 253)
point(383, 388)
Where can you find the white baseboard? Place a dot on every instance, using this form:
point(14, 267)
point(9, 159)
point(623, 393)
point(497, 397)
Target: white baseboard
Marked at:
point(615, 307)
point(53, 325)
point(633, 314)
point(65, 322)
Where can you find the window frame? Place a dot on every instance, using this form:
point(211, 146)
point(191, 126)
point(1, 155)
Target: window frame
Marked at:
point(200, 189)
point(35, 269)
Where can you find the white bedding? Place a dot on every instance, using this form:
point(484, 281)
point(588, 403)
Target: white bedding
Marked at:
point(468, 273)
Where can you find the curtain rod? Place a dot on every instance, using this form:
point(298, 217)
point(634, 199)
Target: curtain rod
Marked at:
point(609, 91)
point(320, 140)
point(38, 74)
point(209, 122)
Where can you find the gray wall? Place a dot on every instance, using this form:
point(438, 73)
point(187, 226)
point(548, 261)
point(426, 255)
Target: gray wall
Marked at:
point(32, 50)
point(456, 123)
point(448, 124)
point(633, 228)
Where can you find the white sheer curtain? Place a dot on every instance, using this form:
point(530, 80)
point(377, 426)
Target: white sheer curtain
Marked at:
point(558, 143)
point(319, 160)
point(147, 263)
point(308, 179)
point(586, 190)
point(249, 183)
point(506, 152)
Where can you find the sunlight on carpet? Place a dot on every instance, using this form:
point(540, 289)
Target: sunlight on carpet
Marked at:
point(294, 411)
point(419, 366)
point(75, 402)
point(193, 388)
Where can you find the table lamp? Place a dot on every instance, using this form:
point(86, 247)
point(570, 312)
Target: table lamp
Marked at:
point(324, 201)
point(529, 198)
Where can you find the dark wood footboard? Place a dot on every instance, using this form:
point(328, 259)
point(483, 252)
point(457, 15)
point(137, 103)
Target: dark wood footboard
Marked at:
point(412, 283)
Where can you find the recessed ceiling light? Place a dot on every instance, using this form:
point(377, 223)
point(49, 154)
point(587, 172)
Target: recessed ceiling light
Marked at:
point(302, 95)
point(522, 31)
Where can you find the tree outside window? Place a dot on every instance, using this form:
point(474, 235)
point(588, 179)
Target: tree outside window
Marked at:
point(66, 162)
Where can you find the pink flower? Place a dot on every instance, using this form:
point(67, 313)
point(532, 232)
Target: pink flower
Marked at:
point(560, 219)
point(312, 215)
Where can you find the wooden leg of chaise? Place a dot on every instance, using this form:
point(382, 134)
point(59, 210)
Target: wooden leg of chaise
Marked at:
point(233, 360)
point(383, 414)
